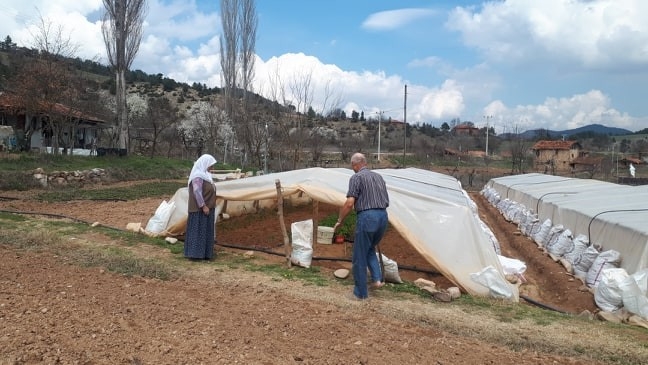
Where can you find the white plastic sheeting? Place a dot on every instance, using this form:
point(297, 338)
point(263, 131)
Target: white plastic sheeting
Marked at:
point(612, 216)
point(430, 211)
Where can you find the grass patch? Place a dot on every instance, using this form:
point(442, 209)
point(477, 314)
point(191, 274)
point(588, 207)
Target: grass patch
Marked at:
point(16, 169)
point(508, 312)
point(133, 239)
point(30, 239)
point(51, 236)
point(139, 191)
point(121, 261)
point(309, 276)
point(12, 217)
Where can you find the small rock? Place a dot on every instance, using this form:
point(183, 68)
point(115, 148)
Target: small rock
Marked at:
point(430, 289)
point(442, 296)
point(454, 292)
point(421, 283)
point(583, 288)
point(341, 273)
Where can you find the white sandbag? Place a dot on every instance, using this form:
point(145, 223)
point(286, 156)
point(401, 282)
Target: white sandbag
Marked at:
point(503, 204)
point(490, 278)
point(608, 295)
point(512, 266)
point(605, 260)
point(582, 267)
point(633, 290)
point(519, 214)
point(535, 228)
point(540, 238)
point(180, 211)
point(641, 277)
point(554, 234)
point(511, 212)
point(579, 245)
point(159, 220)
point(491, 195)
point(562, 244)
point(302, 243)
point(527, 223)
point(391, 270)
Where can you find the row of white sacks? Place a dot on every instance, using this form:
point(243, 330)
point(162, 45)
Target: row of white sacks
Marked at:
point(614, 289)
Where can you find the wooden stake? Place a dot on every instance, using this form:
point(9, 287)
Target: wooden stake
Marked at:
point(315, 222)
point(287, 245)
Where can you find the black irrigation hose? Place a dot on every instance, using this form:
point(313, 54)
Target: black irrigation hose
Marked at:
point(589, 233)
point(271, 252)
point(541, 305)
point(320, 258)
point(533, 183)
point(260, 249)
point(553, 192)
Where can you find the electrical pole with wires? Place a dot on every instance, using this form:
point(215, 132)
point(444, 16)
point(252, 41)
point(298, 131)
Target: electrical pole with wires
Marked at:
point(487, 117)
point(380, 113)
point(404, 124)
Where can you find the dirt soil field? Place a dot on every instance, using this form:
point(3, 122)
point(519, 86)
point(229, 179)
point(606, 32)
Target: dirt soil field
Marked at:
point(52, 311)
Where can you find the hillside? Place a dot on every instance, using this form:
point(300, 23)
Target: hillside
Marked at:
point(419, 144)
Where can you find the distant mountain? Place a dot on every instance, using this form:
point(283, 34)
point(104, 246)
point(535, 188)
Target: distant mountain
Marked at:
point(591, 128)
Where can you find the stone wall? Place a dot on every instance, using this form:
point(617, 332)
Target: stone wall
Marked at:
point(92, 176)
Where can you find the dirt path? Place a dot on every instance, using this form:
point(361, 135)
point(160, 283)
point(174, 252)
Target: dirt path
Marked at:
point(52, 311)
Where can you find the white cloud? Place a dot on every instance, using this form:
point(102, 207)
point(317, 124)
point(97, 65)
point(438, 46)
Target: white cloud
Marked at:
point(561, 114)
point(597, 34)
point(392, 19)
point(182, 43)
point(444, 103)
point(180, 20)
point(431, 61)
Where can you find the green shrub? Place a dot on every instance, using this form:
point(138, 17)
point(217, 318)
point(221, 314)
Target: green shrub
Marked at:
point(348, 226)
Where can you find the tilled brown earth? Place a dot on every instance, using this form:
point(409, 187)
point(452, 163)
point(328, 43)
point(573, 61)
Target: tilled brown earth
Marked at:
point(54, 311)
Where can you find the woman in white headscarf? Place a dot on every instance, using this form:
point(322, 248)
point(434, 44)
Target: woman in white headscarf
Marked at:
point(201, 232)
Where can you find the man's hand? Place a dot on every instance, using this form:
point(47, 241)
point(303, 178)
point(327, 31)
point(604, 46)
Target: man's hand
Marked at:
point(336, 226)
point(205, 210)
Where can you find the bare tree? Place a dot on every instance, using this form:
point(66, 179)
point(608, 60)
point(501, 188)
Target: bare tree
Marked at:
point(160, 115)
point(206, 126)
point(248, 28)
point(47, 82)
point(229, 50)
point(237, 47)
point(331, 101)
point(519, 149)
point(122, 34)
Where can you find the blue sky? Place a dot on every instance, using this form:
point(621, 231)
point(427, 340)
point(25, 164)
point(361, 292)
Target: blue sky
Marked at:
point(528, 64)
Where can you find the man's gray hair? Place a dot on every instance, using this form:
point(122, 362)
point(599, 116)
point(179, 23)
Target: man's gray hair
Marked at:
point(358, 158)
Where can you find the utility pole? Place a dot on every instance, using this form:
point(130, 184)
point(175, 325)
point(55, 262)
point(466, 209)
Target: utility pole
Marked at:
point(379, 120)
point(265, 154)
point(487, 117)
point(404, 124)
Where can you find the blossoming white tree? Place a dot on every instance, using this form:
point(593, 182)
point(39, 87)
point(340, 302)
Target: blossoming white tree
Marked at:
point(207, 128)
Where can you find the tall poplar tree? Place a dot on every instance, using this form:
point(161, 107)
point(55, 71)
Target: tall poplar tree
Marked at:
point(122, 33)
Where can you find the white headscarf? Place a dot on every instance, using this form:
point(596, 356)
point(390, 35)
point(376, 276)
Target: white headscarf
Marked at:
point(200, 167)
